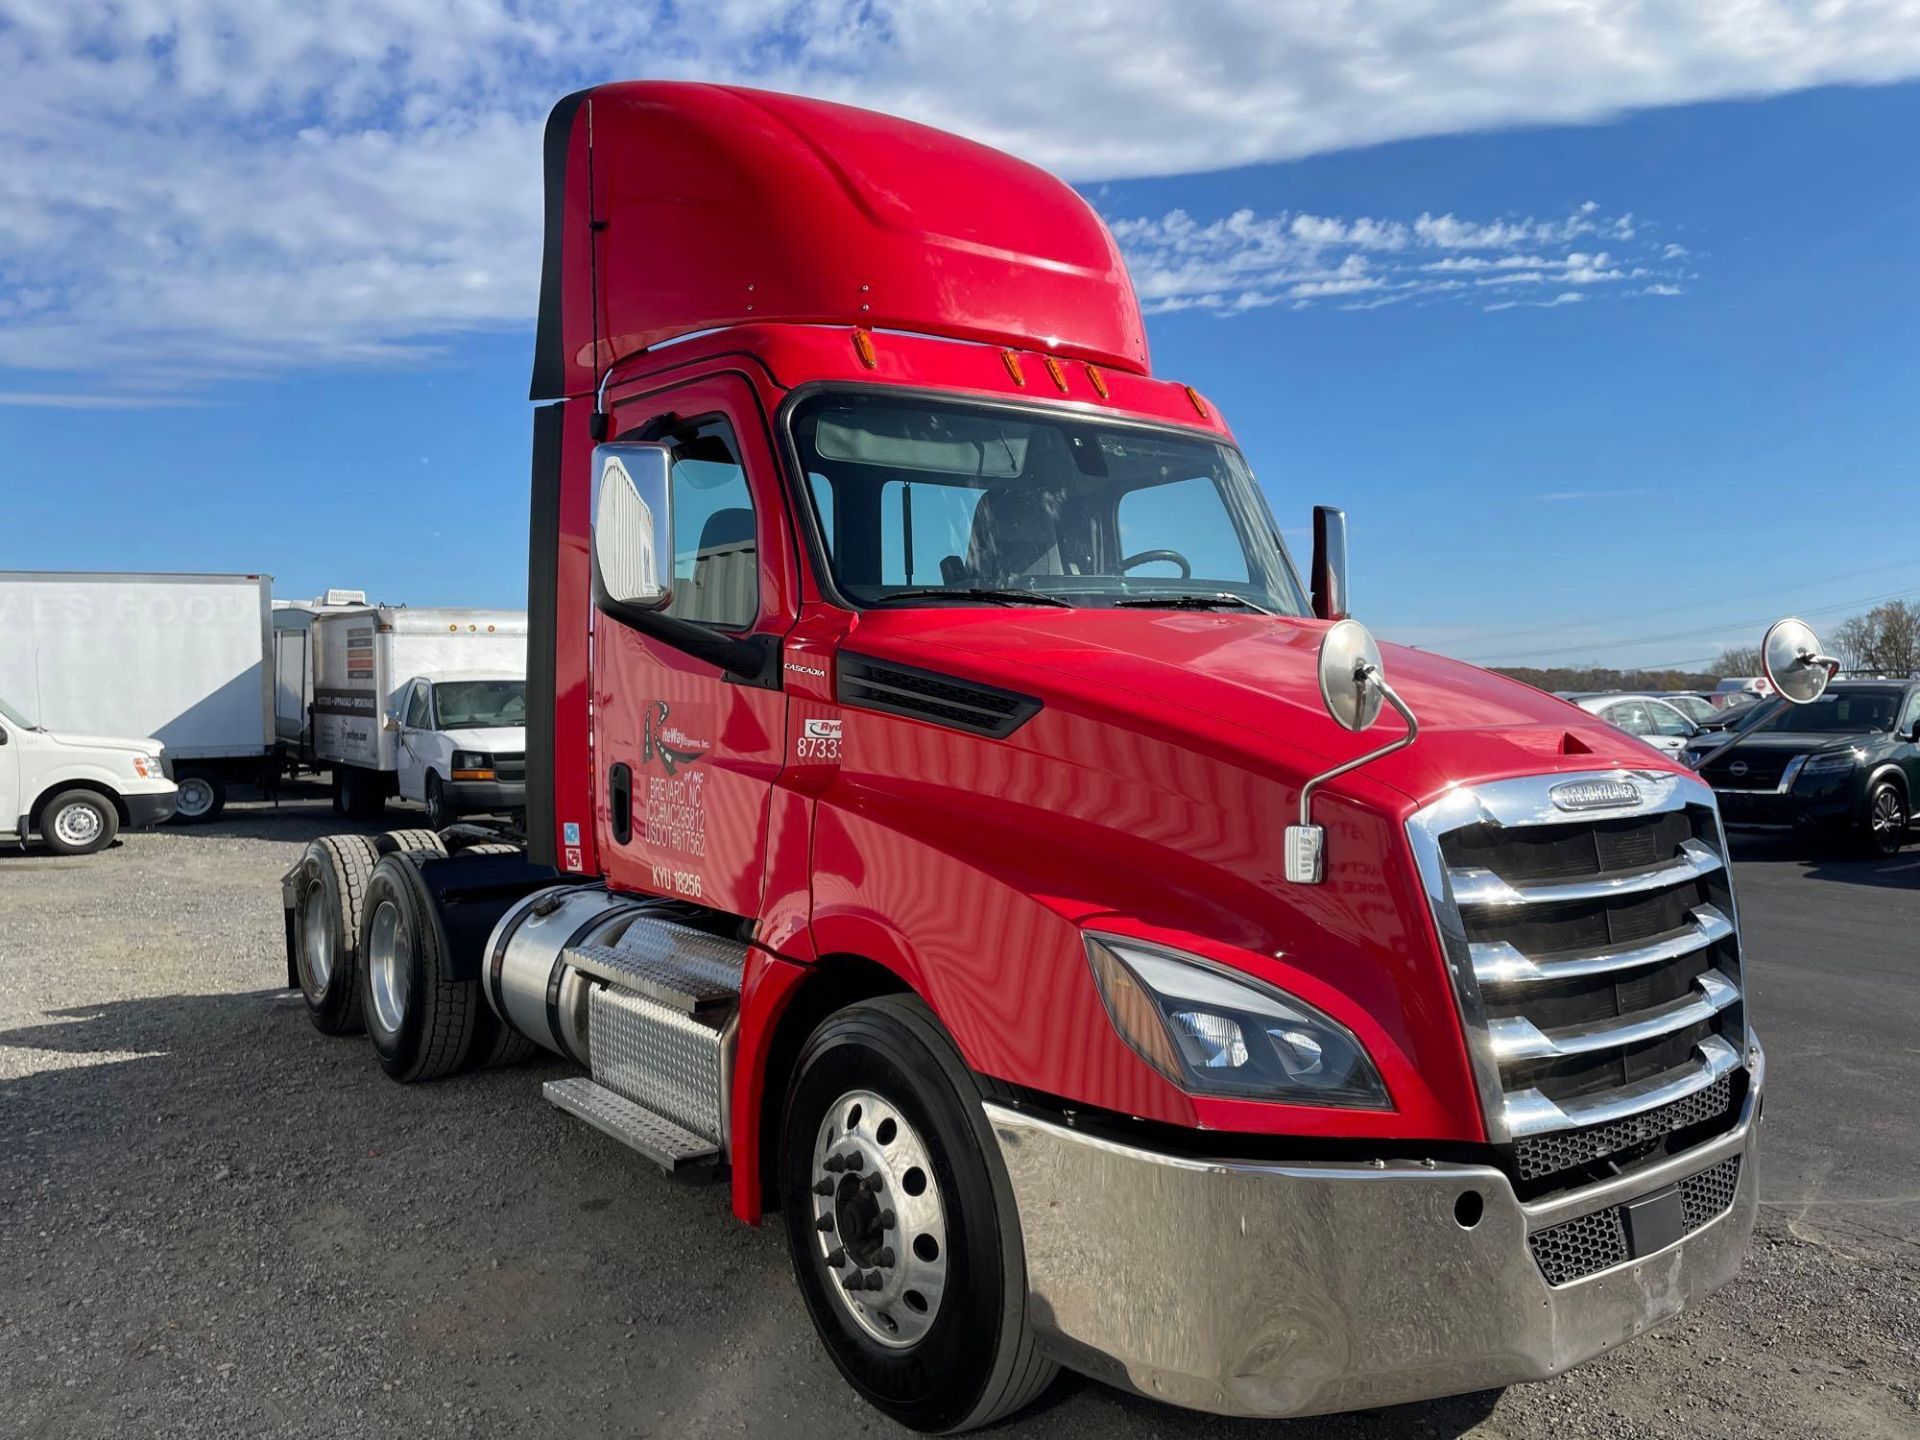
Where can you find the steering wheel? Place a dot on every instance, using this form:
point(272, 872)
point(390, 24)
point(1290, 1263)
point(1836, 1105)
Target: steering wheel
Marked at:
point(1148, 557)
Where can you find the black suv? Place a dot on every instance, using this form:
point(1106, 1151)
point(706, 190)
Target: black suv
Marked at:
point(1848, 764)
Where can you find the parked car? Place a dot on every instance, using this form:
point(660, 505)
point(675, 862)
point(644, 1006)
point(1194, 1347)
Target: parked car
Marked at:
point(1690, 703)
point(78, 791)
point(1649, 717)
point(1845, 766)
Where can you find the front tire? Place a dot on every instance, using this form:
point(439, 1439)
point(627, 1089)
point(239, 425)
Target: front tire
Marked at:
point(78, 822)
point(902, 1227)
point(420, 1019)
point(332, 883)
point(438, 816)
point(1886, 820)
point(203, 795)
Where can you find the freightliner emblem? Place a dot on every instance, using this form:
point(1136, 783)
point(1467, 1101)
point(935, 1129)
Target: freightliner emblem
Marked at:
point(1595, 794)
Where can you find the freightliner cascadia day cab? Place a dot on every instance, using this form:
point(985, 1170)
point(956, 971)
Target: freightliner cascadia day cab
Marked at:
point(954, 824)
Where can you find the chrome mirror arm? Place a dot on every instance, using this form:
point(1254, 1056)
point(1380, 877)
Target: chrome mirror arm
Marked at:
point(1306, 841)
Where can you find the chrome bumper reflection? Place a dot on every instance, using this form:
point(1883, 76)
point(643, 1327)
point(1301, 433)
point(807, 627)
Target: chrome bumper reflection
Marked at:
point(1272, 1290)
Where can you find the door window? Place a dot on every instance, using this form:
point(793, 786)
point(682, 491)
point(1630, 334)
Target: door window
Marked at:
point(419, 708)
point(1668, 721)
point(1631, 716)
point(716, 561)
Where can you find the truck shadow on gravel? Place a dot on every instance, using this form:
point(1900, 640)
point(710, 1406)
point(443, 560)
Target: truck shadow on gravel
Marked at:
point(214, 1219)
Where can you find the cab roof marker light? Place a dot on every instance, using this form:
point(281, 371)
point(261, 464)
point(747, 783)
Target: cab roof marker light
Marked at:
point(863, 347)
point(1058, 375)
point(1099, 382)
point(1199, 405)
point(1012, 362)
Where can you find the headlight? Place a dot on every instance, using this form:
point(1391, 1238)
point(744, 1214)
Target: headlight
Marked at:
point(1835, 764)
point(467, 761)
point(149, 767)
point(1216, 1032)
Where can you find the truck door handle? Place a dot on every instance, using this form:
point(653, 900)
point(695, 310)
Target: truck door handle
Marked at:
point(620, 801)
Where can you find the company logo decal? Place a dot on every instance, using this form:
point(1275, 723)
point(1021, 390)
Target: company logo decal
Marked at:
point(1738, 767)
point(1594, 794)
point(668, 743)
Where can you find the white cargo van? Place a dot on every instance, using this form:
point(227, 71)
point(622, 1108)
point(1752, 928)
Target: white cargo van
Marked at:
point(183, 659)
point(77, 791)
point(426, 704)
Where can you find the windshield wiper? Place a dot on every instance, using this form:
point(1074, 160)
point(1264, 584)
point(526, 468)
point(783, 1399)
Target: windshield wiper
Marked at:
point(1210, 601)
point(994, 597)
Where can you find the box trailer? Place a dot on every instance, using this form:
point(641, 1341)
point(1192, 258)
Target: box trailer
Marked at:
point(365, 665)
point(293, 668)
point(181, 658)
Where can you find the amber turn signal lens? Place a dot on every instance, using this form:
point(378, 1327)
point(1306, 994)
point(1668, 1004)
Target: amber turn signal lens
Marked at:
point(863, 347)
point(1012, 362)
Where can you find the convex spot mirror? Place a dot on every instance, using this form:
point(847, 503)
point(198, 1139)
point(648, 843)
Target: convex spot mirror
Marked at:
point(1797, 670)
point(633, 525)
point(1350, 675)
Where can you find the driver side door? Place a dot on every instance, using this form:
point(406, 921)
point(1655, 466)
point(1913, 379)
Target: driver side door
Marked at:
point(416, 740)
point(11, 800)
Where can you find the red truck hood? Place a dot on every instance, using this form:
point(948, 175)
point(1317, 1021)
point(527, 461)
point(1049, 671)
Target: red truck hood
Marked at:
point(1249, 683)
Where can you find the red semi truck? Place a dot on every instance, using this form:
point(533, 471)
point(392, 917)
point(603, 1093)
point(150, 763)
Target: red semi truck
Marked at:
point(954, 825)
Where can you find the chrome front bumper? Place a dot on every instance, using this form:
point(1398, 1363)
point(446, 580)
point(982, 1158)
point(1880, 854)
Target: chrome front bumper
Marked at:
point(1273, 1290)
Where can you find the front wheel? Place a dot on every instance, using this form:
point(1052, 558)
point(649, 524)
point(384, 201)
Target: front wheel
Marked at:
point(79, 822)
point(1886, 829)
point(438, 816)
point(902, 1227)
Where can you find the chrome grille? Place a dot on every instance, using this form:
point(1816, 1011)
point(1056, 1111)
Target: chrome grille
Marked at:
point(1594, 952)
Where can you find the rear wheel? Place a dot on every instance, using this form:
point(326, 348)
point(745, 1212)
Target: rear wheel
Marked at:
point(1886, 819)
point(902, 1227)
point(78, 822)
point(420, 1019)
point(331, 884)
point(363, 794)
point(203, 795)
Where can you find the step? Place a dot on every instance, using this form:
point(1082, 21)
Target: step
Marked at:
point(682, 968)
point(634, 1126)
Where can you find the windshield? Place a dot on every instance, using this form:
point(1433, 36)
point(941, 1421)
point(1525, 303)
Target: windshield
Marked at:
point(929, 502)
point(1692, 706)
point(16, 717)
point(1838, 712)
point(469, 704)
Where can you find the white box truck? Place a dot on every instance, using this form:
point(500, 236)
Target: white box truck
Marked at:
point(426, 704)
point(181, 658)
point(293, 668)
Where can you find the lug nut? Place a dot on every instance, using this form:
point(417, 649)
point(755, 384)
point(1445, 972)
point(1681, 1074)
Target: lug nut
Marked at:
point(824, 1224)
point(885, 1258)
point(833, 1164)
point(837, 1257)
point(886, 1219)
point(856, 1162)
point(823, 1187)
point(873, 1182)
point(874, 1282)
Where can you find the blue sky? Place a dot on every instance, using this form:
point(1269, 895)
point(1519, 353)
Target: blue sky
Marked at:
point(289, 358)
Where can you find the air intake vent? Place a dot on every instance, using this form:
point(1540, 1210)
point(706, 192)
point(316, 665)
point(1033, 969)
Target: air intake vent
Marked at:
point(925, 695)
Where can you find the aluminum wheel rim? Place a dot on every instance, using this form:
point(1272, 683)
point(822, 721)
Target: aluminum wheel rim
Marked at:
point(880, 1225)
point(195, 798)
point(389, 971)
point(316, 939)
point(78, 825)
point(1887, 819)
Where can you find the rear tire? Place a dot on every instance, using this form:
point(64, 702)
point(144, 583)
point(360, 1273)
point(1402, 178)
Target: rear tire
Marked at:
point(78, 822)
point(1885, 822)
point(394, 840)
point(332, 883)
point(203, 795)
point(363, 793)
point(421, 1021)
point(953, 1349)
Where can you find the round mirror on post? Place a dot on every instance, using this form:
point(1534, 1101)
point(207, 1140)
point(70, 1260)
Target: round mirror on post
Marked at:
point(1790, 654)
point(1349, 675)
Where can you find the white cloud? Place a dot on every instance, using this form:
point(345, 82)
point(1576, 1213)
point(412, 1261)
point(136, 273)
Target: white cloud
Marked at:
point(1245, 260)
point(196, 189)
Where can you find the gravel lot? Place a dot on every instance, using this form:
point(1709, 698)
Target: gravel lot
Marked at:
point(214, 1221)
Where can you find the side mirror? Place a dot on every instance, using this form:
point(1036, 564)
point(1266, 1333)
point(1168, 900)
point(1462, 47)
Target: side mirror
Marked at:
point(1790, 655)
point(632, 526)
point(390, 721)
point(1329, 572)
point(1353, 688)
